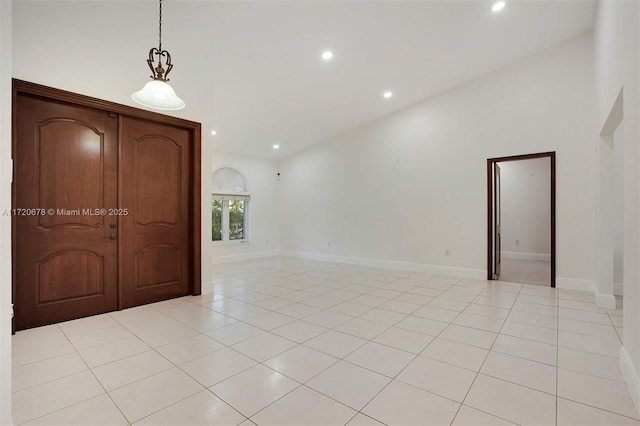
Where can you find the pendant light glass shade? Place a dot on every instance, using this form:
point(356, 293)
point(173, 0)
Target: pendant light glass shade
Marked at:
point(159, 95)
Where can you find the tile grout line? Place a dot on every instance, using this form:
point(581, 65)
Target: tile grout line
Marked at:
point(154, 349)
point(483, 362)
point(95, 378)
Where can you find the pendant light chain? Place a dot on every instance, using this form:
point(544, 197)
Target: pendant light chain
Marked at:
point(160, 29)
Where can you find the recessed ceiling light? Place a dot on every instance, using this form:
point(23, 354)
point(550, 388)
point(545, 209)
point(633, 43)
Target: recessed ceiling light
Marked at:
point(327, 55)
point(498, 6)
point(213, 132)
point(276, 146)
point(387, 95)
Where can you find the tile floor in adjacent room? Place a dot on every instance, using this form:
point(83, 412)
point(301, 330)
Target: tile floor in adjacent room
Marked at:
point(526, 271)
point(291, 341)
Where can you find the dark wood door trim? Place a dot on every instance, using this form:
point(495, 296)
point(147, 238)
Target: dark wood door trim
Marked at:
point(33, 89)
point(490, 238)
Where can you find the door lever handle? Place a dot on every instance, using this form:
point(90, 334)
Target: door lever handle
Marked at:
point(113, 236)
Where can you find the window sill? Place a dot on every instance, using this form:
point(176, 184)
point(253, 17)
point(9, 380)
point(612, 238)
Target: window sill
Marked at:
point(229, 243)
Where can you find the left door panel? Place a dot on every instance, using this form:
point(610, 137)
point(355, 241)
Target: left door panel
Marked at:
point(65, 183)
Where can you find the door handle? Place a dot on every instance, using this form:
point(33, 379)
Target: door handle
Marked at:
point(113, 236)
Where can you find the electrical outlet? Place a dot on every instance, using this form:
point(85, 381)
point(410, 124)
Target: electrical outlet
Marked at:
point(447, 252)
point(517, 242)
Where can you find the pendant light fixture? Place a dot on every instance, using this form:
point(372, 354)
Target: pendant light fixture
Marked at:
point(158, 93)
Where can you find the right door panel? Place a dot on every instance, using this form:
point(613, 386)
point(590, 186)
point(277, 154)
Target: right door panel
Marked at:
point(156, 225)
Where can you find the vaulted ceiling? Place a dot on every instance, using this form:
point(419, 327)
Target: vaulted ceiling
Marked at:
point(252, 70)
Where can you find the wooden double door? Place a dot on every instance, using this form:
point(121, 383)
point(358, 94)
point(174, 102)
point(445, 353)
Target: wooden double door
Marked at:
point(104, 209)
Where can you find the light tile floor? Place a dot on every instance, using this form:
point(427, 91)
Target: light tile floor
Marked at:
point(526, 271)
point(290, 341)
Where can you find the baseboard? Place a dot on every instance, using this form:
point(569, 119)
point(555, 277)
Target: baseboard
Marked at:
point(215, 260)
point(390, 264)
point(606, 301)
point(630, 376)
point(574, 284)
point(515, 255)
point(618, 289)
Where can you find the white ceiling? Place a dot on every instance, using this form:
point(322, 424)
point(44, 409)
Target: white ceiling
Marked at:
point(252, 70)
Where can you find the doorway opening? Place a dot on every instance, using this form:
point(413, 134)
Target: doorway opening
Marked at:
point(497, 251)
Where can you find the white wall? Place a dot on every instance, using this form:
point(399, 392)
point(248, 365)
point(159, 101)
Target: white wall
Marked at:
point(264, 233)
point(412, 185)
point(617, 54)
point(526, 206)
point(5, 204)
point(205, 214)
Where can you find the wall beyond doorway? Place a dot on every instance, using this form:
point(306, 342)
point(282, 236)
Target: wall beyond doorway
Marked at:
point(525, 193)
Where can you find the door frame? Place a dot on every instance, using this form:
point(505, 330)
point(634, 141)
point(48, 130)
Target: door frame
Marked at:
point(25, 87)
point(496, 221)
point(490, 196)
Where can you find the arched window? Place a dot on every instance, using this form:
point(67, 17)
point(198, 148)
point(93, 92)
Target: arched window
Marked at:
point(230, 205)
point(227, 179)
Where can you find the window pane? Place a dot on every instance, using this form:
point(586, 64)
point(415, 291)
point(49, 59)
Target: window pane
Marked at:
point(236, 220)
point(216, 220)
